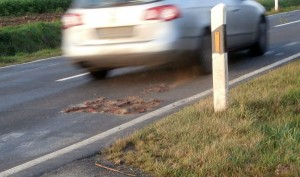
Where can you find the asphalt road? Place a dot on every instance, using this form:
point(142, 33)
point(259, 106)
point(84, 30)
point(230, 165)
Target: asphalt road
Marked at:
point(33, 96)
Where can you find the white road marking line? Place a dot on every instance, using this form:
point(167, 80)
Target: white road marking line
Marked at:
point(72, 77)
point(264, 69)
point(138, 120)
point(291, 44)
point(287, 24)
point(51, 58)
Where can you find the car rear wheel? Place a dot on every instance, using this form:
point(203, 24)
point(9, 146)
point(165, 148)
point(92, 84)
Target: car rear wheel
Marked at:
point(205, 54)
point(261, 45)
point(99, 74)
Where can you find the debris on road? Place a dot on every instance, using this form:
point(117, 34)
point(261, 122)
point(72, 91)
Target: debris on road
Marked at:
point(129, 105)
point(156, 89)
point(114, 170)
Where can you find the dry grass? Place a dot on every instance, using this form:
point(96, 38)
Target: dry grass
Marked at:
point(258, 136)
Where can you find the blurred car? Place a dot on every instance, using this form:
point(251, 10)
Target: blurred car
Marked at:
point(101, 35)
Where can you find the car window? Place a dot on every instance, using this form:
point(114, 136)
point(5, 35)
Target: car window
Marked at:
point(108, 3)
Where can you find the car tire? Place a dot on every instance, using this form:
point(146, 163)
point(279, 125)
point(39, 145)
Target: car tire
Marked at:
point(99, 74)
point(261, 44)
point(205, 54)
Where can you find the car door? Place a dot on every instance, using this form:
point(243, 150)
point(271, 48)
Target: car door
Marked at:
point(241, 23)
point(196, 16)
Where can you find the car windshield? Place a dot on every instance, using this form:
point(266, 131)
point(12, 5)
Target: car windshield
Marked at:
point(108, 3)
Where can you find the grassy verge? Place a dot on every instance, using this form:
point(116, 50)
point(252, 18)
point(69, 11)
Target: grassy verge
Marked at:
point(284, 5)
point(25, 57)
point(258, 136)
point(29, 38)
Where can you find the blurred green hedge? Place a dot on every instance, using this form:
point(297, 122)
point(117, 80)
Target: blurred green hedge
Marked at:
point(29, 38)
point(23, 7)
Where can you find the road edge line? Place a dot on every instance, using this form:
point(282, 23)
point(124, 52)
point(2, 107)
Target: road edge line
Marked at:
point(285, 24)
point(35, 61)
point(282, 13)
point(264, 69)
point(141, 119)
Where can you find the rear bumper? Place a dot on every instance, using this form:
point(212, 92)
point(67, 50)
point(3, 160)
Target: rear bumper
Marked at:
point(118, 61)
point(122, 55)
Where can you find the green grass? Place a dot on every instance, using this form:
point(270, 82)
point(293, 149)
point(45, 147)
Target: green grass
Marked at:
point(29, 38)
point(25, 57)
point(24, 43)
point(259, 135)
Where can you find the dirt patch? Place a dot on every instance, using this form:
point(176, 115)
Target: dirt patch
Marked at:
point(126, 106)
point(156, 89)
point(15, 21)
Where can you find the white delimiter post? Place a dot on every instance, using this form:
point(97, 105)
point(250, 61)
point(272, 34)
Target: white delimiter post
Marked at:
point(219, 57)
point(276, 5)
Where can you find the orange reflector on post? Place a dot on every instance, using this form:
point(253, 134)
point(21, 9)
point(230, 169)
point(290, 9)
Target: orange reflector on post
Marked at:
point(217, 42)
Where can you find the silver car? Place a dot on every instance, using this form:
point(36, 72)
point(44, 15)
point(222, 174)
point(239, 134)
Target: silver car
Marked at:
point(101, 35)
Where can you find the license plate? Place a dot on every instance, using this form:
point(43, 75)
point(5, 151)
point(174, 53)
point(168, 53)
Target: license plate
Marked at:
point(116, 32)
